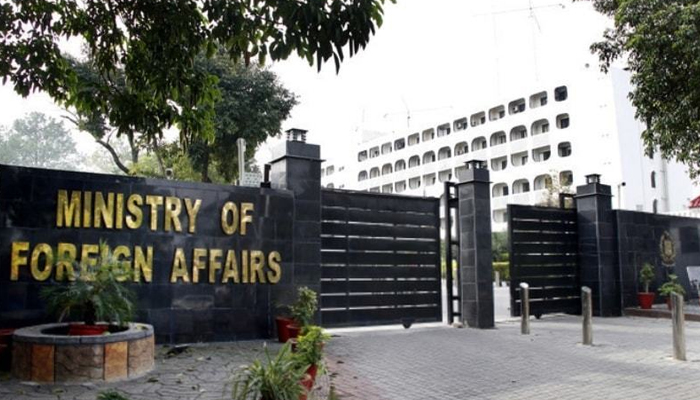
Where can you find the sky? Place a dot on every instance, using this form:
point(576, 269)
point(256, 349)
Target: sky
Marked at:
point(431, 60)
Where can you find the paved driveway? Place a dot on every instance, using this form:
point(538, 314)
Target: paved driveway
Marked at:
point(631, 359)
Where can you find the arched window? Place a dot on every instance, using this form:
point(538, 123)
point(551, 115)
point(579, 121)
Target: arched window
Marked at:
point(413, 161)
point(400, 165)
point(653, 179)
point(429, 157)
point(444, 153)
point(387, 169)
point(374, 172)
point(655, 206)
point(362, 176)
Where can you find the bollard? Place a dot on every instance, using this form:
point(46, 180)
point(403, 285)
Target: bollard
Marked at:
point(498, 279)
point(678, 319)
point(587, 313)
point(525, 308)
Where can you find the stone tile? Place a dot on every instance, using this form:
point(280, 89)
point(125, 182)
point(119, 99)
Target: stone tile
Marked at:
point(140, 356)
point(116, 361)
point(22, 361)
point(79, 363)
point(43, 363)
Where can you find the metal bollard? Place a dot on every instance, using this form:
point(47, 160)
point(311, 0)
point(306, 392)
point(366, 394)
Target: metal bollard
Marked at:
point(678, 318)
point(498, 279)
point(587, 313)
point(525, 308)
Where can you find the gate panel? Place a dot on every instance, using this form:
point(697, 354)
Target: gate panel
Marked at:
point(544, 254)
point(380, 259)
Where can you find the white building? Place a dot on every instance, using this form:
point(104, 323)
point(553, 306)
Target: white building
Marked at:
point(569, 129)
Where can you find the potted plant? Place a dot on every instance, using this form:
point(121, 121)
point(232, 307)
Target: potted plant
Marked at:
point(671, 286)
point(646, 276)
point(278, 378)
point(309, 350)
point(302, 311)
point(282, 322)
point(97, 294)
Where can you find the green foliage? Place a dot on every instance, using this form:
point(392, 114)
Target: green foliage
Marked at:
point(277, 378)
point(96, 292)
point(660, 41)
point(145, 52)
point(111, 395)
point(304, 308)
point(310, 346)
point(38, 141)
point(499, 246)
point(647, 275)
point(671, 286)
point(503, 268)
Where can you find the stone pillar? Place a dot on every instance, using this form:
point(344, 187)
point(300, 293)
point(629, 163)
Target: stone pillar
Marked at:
point(475, 262)
point(296, 166)
point(596, 246)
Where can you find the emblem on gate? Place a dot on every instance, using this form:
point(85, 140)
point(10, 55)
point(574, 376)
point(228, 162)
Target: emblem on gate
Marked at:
point(667, 249)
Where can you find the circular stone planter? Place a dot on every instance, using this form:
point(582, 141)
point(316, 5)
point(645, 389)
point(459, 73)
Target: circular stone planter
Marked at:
point(38, 355)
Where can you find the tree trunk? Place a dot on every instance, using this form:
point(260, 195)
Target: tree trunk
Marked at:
point(114, 154)
point(205, 167)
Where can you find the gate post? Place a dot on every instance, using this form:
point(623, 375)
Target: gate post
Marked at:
point(596, 245)
point(296, 166)
point(475, 263)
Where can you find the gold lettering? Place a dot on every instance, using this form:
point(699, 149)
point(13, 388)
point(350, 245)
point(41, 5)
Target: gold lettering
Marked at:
point(68, 213)
point(119, 218)
point(179, 267)
point(121, 255)
point(87, 209)
point(173, 206)
point(133, 204)
point(143, 264)
point(229, 208)
point(42, 274)
point(17, 259)
point(87, 259)
point(65, 259)
point(230, 268)
point(244, 265)
point(198, 264)
point(192, 211)
point(104, 212)
point(214, 263)
point(245, 218)
point(154, 202)
point(273, 260)
point(257, 263)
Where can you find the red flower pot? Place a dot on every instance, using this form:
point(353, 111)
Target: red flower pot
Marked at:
point(283, 328)
point(294, 330)
point(87, 330)
point(312, 371)
point(668, 303)
point(646, 300)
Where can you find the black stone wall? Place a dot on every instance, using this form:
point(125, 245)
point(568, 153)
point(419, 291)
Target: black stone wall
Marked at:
point(639, 237)
point(180, 312)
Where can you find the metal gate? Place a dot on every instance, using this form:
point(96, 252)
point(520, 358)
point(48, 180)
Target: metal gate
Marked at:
point(380, 259)
point(544, 254)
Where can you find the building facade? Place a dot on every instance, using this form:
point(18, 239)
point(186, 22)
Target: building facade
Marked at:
point(552, 135)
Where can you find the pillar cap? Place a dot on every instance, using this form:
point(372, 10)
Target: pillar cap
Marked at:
point(296, 149)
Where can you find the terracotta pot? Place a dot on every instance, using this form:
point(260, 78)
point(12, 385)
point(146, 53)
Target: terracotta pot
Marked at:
point(87, 330)
point(646, 300)
point(312, 371)
point(294, 330)
point(283, 328)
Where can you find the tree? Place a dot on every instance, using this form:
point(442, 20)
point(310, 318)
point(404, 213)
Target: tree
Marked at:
point(155, 44)
point(252, 106)
point(38, 141)
point(660, 42)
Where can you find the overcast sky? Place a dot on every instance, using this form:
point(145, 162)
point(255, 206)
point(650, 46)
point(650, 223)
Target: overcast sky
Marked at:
point(431, 60)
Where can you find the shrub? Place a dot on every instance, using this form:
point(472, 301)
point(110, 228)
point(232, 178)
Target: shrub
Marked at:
point(310, 346)
point(647, 275)
point(304, 307)
point(671, 286)
point(277, 378)
point(96, 294)
point(503, 268)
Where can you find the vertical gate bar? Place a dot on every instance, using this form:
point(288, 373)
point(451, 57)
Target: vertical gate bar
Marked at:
point(347, 263)
point(458, 273)
point(438, 258)
point(448, 253)
point(512, 267)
